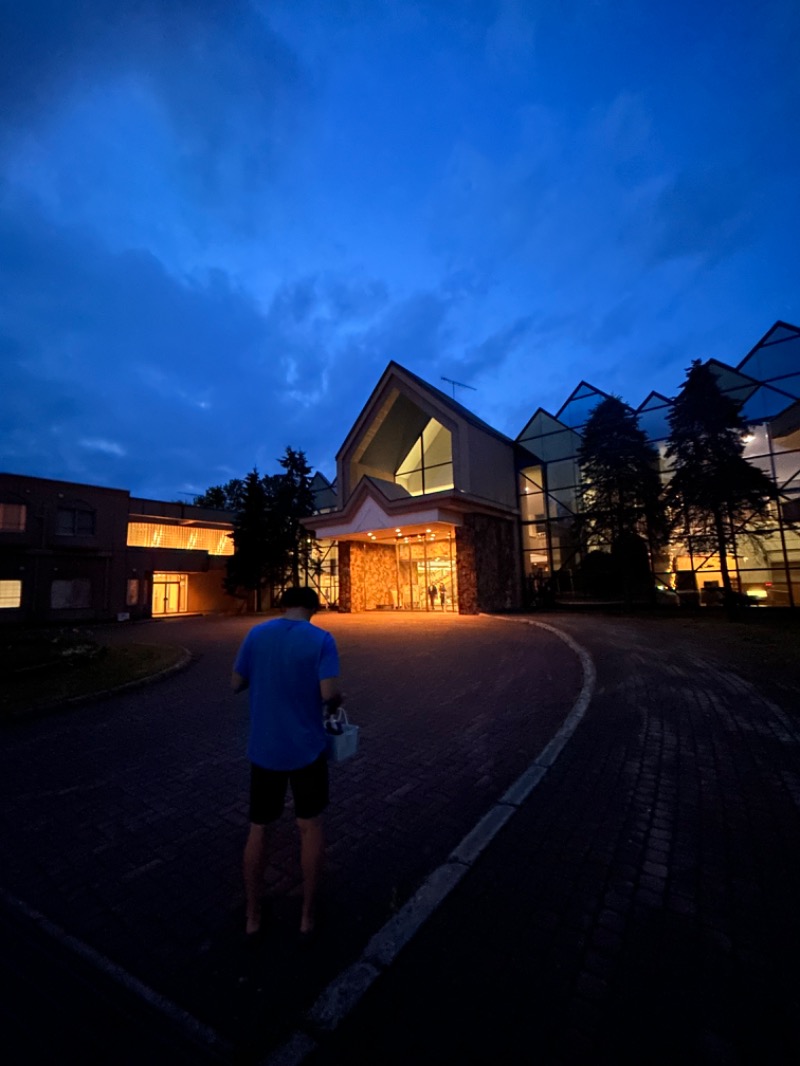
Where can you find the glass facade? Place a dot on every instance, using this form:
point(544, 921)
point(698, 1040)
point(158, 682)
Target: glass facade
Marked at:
point(188, 538)
point(764, 562)
point(428, 465)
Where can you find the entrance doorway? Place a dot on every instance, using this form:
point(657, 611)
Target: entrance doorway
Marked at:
point(169, 593)
point(426, 576)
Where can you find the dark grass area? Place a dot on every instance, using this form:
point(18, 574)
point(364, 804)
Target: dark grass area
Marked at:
point(53, 681)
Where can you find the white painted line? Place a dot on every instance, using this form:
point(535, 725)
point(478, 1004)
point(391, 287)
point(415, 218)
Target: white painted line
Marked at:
point(482, 835)
point(523, 786)
point(346, 990)
point(341, 995)
point(385, 945)
point(188, 1024)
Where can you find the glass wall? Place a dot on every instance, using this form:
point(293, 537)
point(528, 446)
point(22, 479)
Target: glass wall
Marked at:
point(190, 538)
point(763, 557)
point(428, 465)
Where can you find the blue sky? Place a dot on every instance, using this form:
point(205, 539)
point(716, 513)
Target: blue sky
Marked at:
point(220, 219)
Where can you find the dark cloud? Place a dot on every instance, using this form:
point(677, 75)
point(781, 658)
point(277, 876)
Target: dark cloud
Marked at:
point(232, 91)
point(492, 352)
point(107, 357)
point(705, 213)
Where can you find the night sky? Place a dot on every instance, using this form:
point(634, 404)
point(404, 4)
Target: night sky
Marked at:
point(220, 219)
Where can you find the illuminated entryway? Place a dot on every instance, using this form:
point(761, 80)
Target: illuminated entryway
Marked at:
point(426, 573)
point(169, 593)
point(410, 568)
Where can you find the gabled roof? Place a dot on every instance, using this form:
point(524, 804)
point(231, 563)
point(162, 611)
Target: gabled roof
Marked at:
point(401, 373)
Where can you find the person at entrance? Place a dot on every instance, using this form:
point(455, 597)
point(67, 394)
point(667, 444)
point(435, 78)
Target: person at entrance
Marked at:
point(442, 595)
point(432, 594)
point(290, 668)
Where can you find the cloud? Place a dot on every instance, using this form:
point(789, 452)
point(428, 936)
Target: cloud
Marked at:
point(703, 212)
point(212, 97)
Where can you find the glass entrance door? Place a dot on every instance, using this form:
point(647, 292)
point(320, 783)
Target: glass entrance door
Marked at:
point(169, 593)
point(426, 575)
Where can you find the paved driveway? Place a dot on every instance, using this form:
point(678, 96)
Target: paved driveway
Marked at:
point(122, 821)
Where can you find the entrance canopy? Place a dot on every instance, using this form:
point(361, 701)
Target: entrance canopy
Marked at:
point(382, 511)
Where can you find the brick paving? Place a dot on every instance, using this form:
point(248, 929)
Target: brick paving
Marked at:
point(640, 907)
point(122, 822)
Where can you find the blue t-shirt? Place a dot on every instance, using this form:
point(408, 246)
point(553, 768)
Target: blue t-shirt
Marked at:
point(284, 661)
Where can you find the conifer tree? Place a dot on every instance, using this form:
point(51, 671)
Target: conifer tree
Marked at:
point(248, 567)
point(713, 490)
point(621, 497)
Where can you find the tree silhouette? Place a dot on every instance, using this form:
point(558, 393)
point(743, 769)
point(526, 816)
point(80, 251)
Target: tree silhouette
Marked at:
point(622, 510)
point(271, 546)
point(227, 497)
point(248, 567)
point(713, 489)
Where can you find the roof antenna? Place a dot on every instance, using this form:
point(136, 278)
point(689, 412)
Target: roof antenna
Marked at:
point(460, 384)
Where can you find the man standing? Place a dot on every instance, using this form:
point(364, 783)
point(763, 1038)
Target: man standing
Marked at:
point(291, 668)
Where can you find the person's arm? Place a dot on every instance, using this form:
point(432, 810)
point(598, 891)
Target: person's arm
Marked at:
point(239, 683)
point(331, 692)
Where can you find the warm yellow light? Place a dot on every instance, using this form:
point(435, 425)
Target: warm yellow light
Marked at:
point(188, 538)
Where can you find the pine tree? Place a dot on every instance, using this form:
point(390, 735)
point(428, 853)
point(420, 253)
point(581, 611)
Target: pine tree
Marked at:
point(227, 497)
point(622, 517)
point(293, 500)
point(248, 567)
point(713, 489)
point(622, 489)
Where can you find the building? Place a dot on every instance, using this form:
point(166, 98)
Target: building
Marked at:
point(427, 495)
point(80, 553)
point(426, 498)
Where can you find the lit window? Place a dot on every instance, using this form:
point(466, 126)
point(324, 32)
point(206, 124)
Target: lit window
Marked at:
point(74, 522)
point(10, 594)
point(428, 466)
point(71, 594)
point(12, 517)
point(188, 538)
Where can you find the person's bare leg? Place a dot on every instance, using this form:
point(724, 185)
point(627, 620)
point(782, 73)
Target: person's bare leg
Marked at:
point(253, 868)
point(312, 856)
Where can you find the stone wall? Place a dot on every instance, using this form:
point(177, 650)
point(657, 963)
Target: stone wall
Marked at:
point(489, 577)
point(367, 576)
point(345, 583)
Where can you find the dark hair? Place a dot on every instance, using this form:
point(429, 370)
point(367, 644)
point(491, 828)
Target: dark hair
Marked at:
point(300, 597)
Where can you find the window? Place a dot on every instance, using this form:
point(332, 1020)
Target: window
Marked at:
point(214, 540)
point(71, 594)
point(132, 597)
point(10, 594)
point(12, 517)
point(75, 522)
point(428, 466)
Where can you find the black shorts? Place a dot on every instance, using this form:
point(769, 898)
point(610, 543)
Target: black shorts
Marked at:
point(309, 787)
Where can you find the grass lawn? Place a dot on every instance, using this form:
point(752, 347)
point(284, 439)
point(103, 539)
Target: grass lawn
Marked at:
point(51, 686)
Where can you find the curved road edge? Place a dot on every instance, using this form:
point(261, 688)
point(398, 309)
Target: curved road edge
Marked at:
point(346, 990)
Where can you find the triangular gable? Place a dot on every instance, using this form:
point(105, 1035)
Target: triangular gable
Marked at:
point(549, 438)
point(397, 381)
point(576, 410)
point(653, 415)
point(776, 356)
point(654, 402)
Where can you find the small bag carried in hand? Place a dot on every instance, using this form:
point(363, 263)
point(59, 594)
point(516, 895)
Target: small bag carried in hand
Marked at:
point(342, 737)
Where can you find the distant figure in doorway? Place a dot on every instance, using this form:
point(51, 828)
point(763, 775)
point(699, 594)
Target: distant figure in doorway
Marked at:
point(291, 668)
point(442, 595)
point(432, 594)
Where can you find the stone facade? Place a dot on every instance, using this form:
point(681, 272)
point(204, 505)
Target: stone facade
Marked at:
point(489, 577)
point(367, 576)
